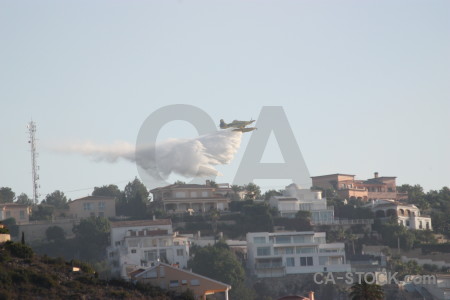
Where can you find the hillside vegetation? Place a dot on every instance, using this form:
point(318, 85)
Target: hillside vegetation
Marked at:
point(24, 275)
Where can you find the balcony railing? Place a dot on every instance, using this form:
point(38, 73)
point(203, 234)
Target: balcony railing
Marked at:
point(269, 266)
point(343, 222)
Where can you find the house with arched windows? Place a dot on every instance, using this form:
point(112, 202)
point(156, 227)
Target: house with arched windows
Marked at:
point(407, 214)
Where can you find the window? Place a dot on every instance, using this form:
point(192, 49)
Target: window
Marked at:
point(163, 255)
point(290, 261)
point(101, 206)
point(184, 282)
point(180, 252)
point(263, 251)
point(323, 260)
point(22, 214)
point(306, 261)
point(180, 195)
point(151, 255)
point(101, 214)
point(8, 214)
point(87, 206)
point(289, 250)
point(259, 240)
point(193, 194)
point(133, 250)
point(117, 244)
point(173, 283)
point(305, 250)
point(302, 239)
point(92, 214)
point(195, 282)
point(283, 250)
point(204, 194)
point(320, 240)
point(283, 239)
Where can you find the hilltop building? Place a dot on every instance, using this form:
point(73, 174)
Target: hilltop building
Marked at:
point(20, 212)
point(92, 206)
point(194, 198)
point(378, 187)
point(407, 214)
point(295, 199)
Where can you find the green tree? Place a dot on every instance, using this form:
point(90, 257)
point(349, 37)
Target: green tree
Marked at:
point(42, 212)
point(56, 199)
point(253, 191)
point(92, 235)
point(270, 193)
point(7, 195)
point(221, 264)
point(111, 190)
point(365, 291)
point(55, 234)
point(24, 199)
point(256, 218)
point(416, 195)
point(135, 200)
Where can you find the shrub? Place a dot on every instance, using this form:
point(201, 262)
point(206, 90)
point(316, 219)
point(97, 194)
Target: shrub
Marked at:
point(4, 231)
point(4, 256)
point(85, 267)
point(19, 250)
point(19, 277)
point(42, 280)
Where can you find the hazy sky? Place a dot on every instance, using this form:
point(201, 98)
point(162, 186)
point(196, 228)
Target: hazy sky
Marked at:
point(365, 84)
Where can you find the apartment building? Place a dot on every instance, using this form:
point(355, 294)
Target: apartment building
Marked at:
point(92, 206)
point(281, 253)
point(194, 198)
point(142, 243)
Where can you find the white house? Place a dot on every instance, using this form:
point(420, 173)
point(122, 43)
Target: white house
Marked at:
point(295, 199)
point(407, 214)
point(280, 253)
point(142, 243)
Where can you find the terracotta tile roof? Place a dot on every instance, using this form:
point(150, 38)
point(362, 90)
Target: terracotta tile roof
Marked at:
point(137, 223)
point(332, 175)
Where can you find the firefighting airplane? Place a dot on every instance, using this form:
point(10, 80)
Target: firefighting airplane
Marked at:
point(238, 125)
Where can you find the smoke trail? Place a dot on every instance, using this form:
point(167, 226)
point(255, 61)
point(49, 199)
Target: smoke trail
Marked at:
point(187, 157)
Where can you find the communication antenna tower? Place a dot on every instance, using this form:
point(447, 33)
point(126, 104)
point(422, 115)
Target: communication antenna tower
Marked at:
point(34, 167)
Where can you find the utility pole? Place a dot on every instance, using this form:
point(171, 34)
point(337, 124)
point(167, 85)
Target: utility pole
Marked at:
point(34, 167)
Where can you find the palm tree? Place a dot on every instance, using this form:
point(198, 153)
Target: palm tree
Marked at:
point(366, 291)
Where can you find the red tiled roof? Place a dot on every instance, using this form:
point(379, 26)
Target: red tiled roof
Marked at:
point(332, 175)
